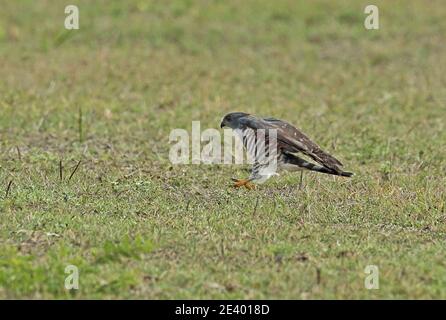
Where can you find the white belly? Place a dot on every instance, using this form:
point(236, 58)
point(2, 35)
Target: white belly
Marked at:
point(290, 167)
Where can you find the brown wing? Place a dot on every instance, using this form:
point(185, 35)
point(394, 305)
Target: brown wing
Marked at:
point(291, 140)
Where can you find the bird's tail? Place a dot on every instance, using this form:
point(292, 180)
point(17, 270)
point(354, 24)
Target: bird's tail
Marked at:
point(292, 159)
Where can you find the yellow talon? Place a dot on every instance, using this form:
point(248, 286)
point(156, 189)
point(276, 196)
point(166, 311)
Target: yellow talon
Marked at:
point(244, 182)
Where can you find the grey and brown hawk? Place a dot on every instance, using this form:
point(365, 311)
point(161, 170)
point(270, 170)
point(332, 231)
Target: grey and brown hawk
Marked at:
point(267, 139)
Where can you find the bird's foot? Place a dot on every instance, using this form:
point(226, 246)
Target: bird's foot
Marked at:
point(244, 183)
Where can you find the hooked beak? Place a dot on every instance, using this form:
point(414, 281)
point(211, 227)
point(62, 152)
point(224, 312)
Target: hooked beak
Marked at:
point(222, 124)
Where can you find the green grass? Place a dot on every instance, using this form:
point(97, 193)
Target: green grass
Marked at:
point(138, 227)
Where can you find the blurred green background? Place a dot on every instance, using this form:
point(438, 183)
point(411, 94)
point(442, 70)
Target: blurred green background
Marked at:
point(109, 94)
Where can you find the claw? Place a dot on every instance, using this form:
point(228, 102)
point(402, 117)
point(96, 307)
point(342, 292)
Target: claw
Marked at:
point(243, 182)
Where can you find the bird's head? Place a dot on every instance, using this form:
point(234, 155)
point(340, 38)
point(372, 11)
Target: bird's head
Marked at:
point(232, 119)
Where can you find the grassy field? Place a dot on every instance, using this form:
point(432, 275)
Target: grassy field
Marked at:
point(137, 226)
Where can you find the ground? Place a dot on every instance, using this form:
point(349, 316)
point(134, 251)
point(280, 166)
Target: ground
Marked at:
point(137, 226)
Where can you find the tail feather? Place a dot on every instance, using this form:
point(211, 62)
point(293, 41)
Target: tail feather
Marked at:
point(346, 174)
point(292, 159)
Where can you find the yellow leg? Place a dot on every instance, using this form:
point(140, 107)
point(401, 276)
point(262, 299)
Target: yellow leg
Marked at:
point(244, 182)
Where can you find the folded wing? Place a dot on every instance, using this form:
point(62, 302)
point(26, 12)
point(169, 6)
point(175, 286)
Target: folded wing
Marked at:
point(292, 140)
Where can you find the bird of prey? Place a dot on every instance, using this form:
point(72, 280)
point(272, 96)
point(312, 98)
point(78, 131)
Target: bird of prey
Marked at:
point(283, 142)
